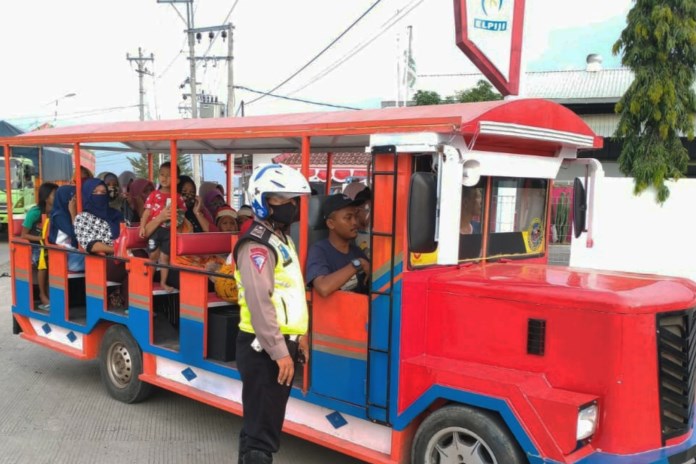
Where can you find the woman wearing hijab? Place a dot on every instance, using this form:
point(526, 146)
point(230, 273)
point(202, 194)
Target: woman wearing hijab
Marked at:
point(96, 228)
point(125, 179)
point(213, 201)
point(138, 191)
point(113, 189)
point(61, 231)
point(198, 216)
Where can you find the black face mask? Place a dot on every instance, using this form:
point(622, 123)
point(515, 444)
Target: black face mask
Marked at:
point(189, 200)
point(112, 192)
point(285, 214)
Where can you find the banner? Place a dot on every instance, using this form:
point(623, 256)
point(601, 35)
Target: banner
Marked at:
point(489, 32)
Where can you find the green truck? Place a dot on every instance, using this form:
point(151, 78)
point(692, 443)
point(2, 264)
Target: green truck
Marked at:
point(22, 180)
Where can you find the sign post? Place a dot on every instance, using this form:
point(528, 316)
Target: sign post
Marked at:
point(489, 32)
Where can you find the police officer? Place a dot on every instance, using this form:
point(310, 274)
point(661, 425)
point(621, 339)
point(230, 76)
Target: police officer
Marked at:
point(273, 309)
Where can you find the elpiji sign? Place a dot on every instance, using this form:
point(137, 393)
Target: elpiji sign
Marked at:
point(489, 32)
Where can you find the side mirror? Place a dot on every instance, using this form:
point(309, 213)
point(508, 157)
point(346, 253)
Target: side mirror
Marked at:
point(579, 207)
point(422, 213)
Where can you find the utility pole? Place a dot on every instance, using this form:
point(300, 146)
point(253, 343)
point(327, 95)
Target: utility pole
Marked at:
point(195, 158)
point(140, 61)
point(230, 72)
point(192, 62)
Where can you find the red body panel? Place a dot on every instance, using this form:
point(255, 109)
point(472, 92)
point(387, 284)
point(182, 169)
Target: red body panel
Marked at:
point(467, 329)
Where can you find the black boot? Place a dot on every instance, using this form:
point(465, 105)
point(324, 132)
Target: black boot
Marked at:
point(254, 456)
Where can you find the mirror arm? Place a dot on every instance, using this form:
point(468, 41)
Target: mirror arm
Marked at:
point(595, 171)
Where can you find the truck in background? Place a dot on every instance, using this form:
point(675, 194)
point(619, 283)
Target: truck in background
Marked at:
point(22, 181)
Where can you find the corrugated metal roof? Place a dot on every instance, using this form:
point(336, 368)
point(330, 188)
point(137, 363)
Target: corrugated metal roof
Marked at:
point(603, 125)
point(576, 86)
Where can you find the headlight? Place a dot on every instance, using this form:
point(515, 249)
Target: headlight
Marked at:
point(587, 421)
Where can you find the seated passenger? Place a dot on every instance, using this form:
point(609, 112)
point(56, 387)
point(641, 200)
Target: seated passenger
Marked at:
point(61, 231)
point(136, 195)
point(96, 229)
point(470, 239)
point(33, 231)
point(125, 179)
point(245, 217)
point(363, 196)
point(471, 207)
point(213, 201)
point(116, 199)
point(226, 219)
point(198, 216)
point(336, 262)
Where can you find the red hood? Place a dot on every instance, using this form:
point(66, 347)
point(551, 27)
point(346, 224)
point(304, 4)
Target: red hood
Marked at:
point(566, 287)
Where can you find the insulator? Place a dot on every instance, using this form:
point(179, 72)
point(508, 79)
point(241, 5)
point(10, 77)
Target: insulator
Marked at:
point(199, 36)
point(224, 35)
point(211, 35)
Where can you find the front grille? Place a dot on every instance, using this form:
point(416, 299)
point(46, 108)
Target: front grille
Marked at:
point(676, 354)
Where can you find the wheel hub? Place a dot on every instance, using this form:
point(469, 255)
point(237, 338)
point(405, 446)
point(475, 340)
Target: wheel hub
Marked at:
point(120, 365)
point(457, 445)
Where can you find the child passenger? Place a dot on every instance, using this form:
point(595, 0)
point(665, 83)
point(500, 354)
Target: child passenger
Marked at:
point(33, 230)
point(157, 210)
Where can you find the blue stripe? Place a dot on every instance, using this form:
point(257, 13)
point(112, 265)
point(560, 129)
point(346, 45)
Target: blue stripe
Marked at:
point(473, 399)
point(264, 169)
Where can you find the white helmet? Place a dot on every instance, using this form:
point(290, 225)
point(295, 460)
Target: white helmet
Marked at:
point(274, 179)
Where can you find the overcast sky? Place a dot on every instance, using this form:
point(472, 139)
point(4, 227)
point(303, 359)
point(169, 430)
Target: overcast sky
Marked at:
point(55, 47)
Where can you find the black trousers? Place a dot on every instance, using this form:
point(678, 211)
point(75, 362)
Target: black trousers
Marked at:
point(263, 398)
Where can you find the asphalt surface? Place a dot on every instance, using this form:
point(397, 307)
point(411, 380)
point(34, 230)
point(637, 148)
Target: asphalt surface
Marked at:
point(54, 410)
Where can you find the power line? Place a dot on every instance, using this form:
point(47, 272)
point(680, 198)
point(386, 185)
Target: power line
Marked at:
point(398, 16)
point(70, 114)
point(283, 97)
point(318, 54)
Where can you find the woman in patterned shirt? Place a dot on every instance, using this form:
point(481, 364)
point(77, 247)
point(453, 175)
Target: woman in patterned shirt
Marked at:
point(98, 225)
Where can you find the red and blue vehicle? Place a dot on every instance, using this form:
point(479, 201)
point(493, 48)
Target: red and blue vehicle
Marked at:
point(468, 348)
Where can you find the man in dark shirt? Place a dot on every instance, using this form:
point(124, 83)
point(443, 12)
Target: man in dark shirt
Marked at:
point(336, 262)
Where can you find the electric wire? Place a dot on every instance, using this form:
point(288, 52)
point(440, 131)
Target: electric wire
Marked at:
point(283, 97)
point(395, 19)
point(62, 116)
point(333, 42)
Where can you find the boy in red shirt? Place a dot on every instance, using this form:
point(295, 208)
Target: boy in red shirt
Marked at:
point(157, 212)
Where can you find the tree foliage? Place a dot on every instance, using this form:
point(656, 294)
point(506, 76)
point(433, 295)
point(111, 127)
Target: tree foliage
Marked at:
point(427, 97)
point(139, 164)
point(483, 91)
point(659, 45)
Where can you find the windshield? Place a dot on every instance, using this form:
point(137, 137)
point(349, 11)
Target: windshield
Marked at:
point(13, 174)
point(517, 220)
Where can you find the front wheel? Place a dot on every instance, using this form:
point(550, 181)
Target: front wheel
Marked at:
point(463, 435)
point(120, 364)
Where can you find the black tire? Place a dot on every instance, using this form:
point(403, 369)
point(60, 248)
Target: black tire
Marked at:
point(460, 434)
point(120, 364)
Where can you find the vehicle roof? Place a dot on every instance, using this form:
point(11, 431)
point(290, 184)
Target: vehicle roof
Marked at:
point(340, 130)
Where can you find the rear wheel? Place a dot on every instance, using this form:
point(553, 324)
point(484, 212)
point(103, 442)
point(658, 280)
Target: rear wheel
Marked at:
point(121, 362)
point(463, 435)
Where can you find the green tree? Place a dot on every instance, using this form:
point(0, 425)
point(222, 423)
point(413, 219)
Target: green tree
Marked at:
point(659, 45)
point(426, 97)
point(139, 164)
point(483, 91)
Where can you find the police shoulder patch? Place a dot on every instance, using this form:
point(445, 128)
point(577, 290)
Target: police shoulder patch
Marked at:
point(259, 257)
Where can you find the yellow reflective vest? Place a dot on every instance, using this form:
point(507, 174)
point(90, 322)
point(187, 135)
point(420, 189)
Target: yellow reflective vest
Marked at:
point(288, 296)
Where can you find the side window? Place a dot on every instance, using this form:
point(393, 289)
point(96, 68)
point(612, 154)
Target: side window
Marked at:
point(517, 221)
point(471, 221)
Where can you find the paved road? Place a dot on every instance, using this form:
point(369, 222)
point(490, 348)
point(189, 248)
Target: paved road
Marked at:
point(54, 410)
point(4, 249)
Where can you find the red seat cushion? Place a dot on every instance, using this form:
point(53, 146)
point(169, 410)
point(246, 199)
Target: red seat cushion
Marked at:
point(133, 240)
point(204, 243)
point(17, 225)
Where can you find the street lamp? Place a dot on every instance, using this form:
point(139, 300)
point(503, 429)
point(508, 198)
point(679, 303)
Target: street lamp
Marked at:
point(55, 113)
